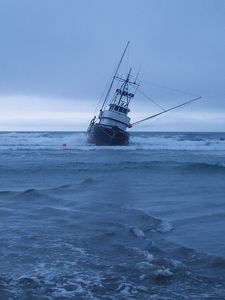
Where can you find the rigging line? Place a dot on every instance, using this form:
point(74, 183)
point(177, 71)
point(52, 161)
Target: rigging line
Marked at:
point(137, 85)
point(138, 72)
point(168, 88)
point(117, 69)
point(106, 87)
point(136, 89)
point(127, 60)
point(102, 95)
point(150, 99)
point(167, 110)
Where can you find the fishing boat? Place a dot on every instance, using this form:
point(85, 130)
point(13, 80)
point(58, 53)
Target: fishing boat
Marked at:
point(110, 128)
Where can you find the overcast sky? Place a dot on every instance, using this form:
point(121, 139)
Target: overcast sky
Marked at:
point(56, 57)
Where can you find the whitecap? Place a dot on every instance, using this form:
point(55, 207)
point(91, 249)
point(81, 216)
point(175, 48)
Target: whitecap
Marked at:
point(137, 232)
point(164, 227)
point(165, 272)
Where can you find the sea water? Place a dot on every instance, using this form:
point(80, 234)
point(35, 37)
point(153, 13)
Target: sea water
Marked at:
point(144, 221)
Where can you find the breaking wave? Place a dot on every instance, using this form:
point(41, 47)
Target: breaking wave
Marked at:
point(126, 256)
point(69, 229)
point(138, 141)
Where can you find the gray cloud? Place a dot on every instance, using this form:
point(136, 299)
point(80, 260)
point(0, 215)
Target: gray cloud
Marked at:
point(68, 49)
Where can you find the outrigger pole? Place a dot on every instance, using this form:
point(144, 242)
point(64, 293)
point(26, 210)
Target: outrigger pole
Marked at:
point(167, 110)
point(117, 69)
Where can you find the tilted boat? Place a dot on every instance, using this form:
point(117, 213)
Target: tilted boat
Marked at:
point(111, 126)
point(114, 120)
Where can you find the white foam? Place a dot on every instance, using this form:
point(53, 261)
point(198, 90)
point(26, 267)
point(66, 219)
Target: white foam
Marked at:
point(137, 232)
point(78, 141)
point(175, 142)
point(164, 272)
point(148, 256)
point(178, 265)
point(165, 227)
point(143, 265)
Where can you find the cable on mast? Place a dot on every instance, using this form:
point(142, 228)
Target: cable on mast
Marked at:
point(150, 99)
point(167, 110)
point(117, 69)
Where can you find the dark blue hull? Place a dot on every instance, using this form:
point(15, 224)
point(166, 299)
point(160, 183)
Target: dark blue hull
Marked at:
point(108, 136)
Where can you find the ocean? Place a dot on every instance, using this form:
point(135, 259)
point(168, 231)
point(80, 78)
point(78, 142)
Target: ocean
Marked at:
point(144, 221)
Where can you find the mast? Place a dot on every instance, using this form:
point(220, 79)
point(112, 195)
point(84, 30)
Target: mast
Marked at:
point(117, 69)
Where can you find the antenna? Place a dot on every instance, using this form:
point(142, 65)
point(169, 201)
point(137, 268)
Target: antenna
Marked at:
point(138, 72)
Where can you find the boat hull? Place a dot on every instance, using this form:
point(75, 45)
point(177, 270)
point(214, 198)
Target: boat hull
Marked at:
point(107, 136)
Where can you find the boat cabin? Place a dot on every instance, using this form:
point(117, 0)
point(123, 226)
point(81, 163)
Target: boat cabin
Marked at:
point(118, 108)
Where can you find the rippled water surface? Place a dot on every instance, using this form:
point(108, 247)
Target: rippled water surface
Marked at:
point(144, 221)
